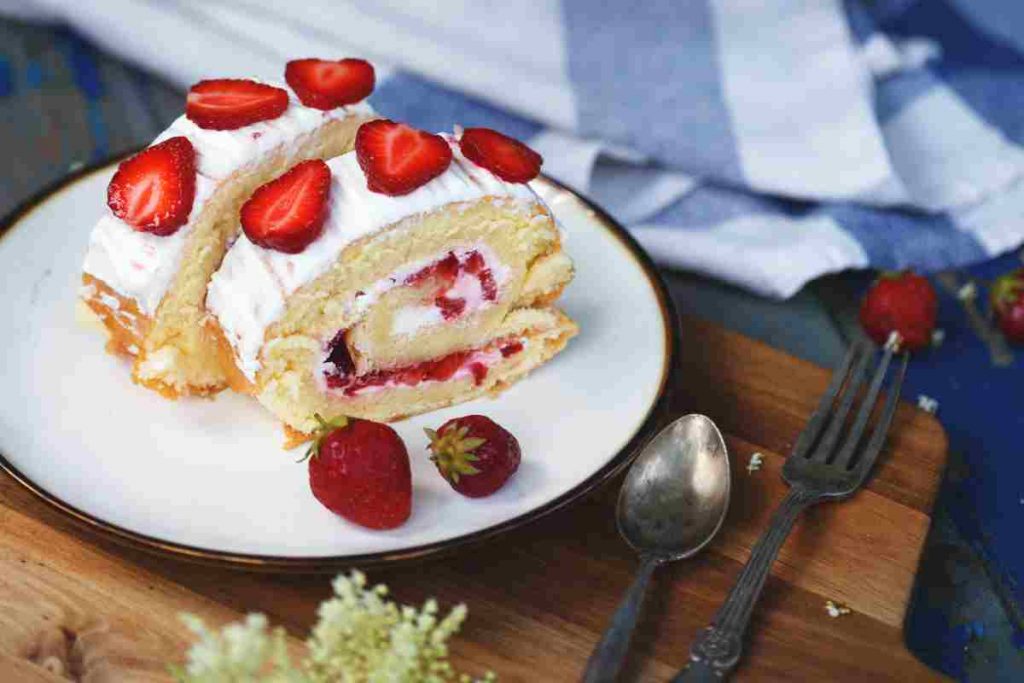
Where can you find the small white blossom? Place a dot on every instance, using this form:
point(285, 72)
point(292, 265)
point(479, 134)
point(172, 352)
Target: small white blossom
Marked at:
point(244, 651)
point(835, 610)
point(938, 336)
point(927, 404)
point(756, 459)
point(967, 291)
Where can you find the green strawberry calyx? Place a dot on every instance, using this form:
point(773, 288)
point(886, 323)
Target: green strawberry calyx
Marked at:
point(453, 451)
point(1007, 289)
point(323, 429)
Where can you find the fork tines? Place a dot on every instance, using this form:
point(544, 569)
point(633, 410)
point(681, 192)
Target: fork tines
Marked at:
point(820, 440)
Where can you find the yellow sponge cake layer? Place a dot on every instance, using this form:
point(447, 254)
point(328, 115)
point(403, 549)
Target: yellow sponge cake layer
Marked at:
point(526, 339)
point(403, 305)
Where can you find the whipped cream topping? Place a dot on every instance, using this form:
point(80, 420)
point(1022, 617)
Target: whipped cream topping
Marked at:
point(222, 152)
point(249, 291)
point(137, 264)
point(141, 265)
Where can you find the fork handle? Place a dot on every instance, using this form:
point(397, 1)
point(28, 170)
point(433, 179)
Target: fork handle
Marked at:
point(717, 649)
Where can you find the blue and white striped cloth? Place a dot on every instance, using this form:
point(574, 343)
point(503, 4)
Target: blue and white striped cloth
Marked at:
point(764, 143)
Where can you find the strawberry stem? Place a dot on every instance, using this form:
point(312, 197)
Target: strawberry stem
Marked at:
point(323, 429)
point(999, 352)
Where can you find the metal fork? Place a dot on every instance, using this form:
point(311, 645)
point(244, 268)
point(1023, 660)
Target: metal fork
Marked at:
point(819, 468)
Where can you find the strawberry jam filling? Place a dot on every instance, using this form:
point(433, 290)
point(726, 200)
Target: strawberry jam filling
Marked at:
point(339, 370)
point(339, 356)
point(451, 274)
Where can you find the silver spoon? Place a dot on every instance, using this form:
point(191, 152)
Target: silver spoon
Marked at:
point(671, 505)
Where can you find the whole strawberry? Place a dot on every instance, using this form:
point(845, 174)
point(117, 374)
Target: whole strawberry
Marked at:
point(475, 454)
point(360, 470)
point(903, 302)
point(1007, 297)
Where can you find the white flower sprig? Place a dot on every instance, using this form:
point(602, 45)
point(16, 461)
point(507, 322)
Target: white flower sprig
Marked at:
point(243, 651)
point(360, 636)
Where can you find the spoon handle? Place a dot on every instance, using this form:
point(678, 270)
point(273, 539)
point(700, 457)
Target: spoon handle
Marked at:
point(607, 658)
point(717, 649)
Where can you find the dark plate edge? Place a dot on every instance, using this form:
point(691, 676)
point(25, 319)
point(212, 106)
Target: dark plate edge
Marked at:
point(624, 457)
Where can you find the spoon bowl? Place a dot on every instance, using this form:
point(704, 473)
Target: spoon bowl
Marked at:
point(676, 494)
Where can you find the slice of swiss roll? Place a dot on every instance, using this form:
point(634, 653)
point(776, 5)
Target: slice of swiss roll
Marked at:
point(173, 211)
point(430, 281)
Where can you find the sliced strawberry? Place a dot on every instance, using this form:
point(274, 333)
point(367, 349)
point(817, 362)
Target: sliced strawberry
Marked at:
point(503, 156)
point(475, 262)
point(445, 271)
point(410, 376)
point(443, 369)
point(229, 103)
point(323, 84)
point(451, 308)
point(476, 265)
point(154, 190)
point(397, 158)
point(479, 371)
point(487, 284)
point(511, 348)
point(288, 213)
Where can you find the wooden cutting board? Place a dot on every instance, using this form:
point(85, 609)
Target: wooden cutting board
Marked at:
point(539, 597)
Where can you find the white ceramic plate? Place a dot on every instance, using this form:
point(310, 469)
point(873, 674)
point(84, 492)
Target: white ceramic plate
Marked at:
point(209, 480)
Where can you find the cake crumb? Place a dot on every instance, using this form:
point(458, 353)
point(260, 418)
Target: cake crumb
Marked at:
point(927, 404)
point(835, 609)
point(893, 342)
point(938, 336)
point(755, 463)
point(967, 292)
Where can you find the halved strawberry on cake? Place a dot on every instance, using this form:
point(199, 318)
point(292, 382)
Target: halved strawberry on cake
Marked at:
point(173, 210)
point(423, 276)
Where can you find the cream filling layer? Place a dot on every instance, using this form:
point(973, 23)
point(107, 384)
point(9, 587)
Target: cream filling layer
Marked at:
point(247, 346)
point(140, 265)
point(409, 320)
point(249, 291)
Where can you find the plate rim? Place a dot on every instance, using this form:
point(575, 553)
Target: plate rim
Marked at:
point(277, 563)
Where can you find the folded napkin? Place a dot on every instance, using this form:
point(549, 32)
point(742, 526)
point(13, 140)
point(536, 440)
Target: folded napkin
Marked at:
point(764, 143)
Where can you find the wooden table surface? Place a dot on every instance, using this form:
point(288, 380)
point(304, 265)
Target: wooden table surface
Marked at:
point(540, 596)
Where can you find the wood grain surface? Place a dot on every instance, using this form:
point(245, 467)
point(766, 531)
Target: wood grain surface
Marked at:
point(75, 606)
